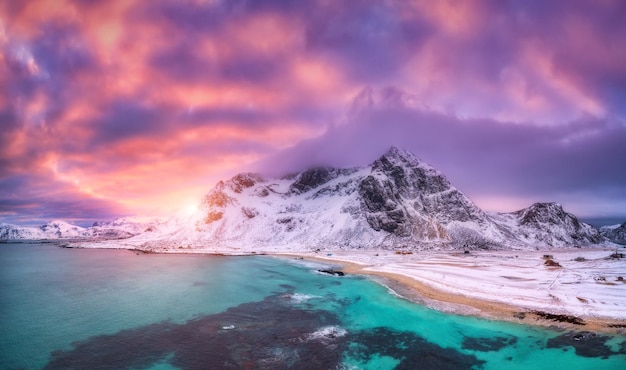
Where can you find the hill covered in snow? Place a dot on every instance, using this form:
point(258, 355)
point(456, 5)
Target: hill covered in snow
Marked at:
point(51, 230)
point(106, 230)
point(615, 233)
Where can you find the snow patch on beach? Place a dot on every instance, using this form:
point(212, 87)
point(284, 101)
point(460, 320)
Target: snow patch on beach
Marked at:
point(589, 283)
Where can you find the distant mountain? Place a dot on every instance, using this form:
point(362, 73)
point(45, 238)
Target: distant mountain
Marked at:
point(51, 230)
point(547, 224)
point(397, 201)
point(126, 227)
point(616, 233)
point(118, 229)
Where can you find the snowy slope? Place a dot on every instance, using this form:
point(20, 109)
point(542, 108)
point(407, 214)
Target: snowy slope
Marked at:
point(12, 232)
point(51, 230)
point(396, 202)
point(118, 229)
point(548, 225)
point(62, 229)
point(615, 233)
point(126, 227)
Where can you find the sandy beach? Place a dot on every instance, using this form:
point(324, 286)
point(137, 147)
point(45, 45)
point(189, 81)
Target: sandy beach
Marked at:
point(515, 286)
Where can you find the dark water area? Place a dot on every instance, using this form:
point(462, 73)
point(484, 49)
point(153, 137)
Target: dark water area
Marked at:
point(268, 334)
point(114, 309)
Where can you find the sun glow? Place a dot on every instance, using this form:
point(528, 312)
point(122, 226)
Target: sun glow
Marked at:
point(189, 209)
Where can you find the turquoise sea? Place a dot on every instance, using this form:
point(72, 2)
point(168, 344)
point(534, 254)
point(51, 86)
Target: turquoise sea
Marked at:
point(116, 309)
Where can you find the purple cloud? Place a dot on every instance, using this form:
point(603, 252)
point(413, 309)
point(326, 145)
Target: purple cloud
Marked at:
point(35, 200)
point(483, 157)
point(511, 99)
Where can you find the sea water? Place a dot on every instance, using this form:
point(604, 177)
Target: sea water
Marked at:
point(85, 309)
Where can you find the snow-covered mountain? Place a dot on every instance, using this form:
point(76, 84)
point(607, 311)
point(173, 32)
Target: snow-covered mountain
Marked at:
point(615, 233)
point(126, 227)
point(118, 229)
point(396, 202)
point(547, 224)
point(51, 230)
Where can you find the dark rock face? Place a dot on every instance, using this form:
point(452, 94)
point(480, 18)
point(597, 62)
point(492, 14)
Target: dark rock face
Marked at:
point(406, 172)
point(262, 192)
point(243, 181)
point(374, 196)
point(215, 202)
point(212, 217)
point(312, 178)
point(401, 190)
point(8, 233)
point(546, 213)
point(249, 212)
point(617, 235)
point(382, 211)
point(217, 198)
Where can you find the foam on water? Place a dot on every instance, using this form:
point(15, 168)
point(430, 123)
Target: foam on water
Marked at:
point(327, 332)
point(63, 308)
point(299, 298)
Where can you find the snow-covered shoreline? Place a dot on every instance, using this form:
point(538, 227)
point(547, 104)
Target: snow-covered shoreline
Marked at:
point(506, 284)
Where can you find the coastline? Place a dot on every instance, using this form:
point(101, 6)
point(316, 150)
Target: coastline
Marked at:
point(418, 291)
point(512, 286)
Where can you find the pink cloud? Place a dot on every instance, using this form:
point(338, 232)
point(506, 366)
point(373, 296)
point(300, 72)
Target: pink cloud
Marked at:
point(135, 101)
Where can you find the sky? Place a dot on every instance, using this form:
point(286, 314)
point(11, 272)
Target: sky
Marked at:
point(113, 108)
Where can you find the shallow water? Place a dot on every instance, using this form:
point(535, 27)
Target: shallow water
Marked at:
point(72, 308)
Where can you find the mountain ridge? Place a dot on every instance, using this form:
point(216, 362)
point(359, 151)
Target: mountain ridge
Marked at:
point(120, 228)
point(398, 201)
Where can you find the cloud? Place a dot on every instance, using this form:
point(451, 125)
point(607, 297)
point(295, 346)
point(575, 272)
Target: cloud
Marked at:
point(35, 199)
point(487, 159)
point(370, 39)
point(149, 103)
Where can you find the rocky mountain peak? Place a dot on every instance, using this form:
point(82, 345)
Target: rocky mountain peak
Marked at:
point(547, 213)
point(409, 174)
point(549, 224)
point(408, 198)
point(615, 234)
point(396, 156)
point(243, 181)
point(313, 178)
